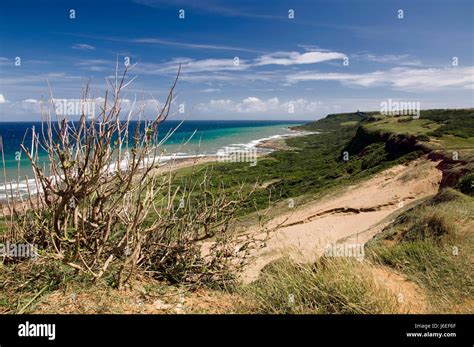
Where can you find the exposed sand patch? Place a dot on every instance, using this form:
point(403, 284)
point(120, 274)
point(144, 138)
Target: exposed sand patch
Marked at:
point(409, 295)
point(180, 163)
point(353, 216)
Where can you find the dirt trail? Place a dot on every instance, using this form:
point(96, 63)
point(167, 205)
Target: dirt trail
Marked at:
point(353, 216)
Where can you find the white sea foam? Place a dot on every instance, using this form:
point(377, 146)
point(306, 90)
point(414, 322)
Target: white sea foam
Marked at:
point(255, 143)
point(20, 190)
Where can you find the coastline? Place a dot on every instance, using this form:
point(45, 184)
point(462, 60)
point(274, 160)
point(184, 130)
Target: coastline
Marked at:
point(266, 145)
point(310, 227)
point(175, 162)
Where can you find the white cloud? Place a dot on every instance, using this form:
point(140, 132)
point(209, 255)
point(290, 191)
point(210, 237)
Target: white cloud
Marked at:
point(217, 105)
point(228, 77)
point(83, 47)
point(2, 99)
point(305, 106)
point(97, 64)
point(256, 106)
point(31, 101)
point(221, 8)
point(211, 90)
point(396, 59)
point(296, 58)
point(33, 106)
point(158, 41)
point(398, 78)
point(30, 79)
point(192, 66)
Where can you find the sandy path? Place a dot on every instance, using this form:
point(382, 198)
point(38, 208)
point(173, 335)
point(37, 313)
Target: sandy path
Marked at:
point(353, 216)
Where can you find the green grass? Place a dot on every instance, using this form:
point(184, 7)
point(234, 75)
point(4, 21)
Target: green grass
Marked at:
point(453, 142)
point(314, 165)
point(3, 225)
point(403, 125)
point(450, 129)
point(330, 286)
point(349, 123)
point(23, 284)
point(432, 244)
point(458, 123)
point(420, 243)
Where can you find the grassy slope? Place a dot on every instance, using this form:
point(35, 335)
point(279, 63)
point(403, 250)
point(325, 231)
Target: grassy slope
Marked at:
point(431, 244)
point(316, 166)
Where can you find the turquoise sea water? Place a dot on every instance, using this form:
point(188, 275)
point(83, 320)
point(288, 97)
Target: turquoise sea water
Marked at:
point(190, 138)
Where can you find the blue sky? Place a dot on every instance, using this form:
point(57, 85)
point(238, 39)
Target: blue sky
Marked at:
point(333, 56)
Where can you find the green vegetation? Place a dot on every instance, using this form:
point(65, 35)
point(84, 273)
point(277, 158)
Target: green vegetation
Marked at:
point(432, 245)
point(403, 125)
point(314, 166)
point(466, 184)
point(22, 283)
point(453, 122)
point(331, 285)
point(450, 128)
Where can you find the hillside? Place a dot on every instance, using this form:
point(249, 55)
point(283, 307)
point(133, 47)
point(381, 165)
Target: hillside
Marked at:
point(417, 250)
point(400, 187)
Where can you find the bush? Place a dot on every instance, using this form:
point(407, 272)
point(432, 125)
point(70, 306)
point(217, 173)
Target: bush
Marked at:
point(104, 210)
point(373, 155)
point(423, 137)
point(427, 226)
point(466, 184)
point(445, 195)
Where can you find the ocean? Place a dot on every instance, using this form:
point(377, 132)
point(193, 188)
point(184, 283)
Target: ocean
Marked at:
point(191, 138)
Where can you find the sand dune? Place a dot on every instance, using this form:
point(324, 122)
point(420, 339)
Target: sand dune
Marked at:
point(353, 216)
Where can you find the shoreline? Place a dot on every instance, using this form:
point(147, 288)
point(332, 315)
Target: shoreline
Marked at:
point(264, 147)
point(267, 144)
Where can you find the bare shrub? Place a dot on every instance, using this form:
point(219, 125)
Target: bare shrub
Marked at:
point(102, 208)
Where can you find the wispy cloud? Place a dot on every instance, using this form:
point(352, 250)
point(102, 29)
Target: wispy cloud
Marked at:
point(158, 41)
point(399, 78)
point(96, 64)
point(395, 59)
point(4, 61)
point(26, 79)
point(211, 90)
point(83, 47)
point(212, 7)
point(193, 65)
point(153, 40)
point(255, 105)
point(296, 58)
point(212, 66)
